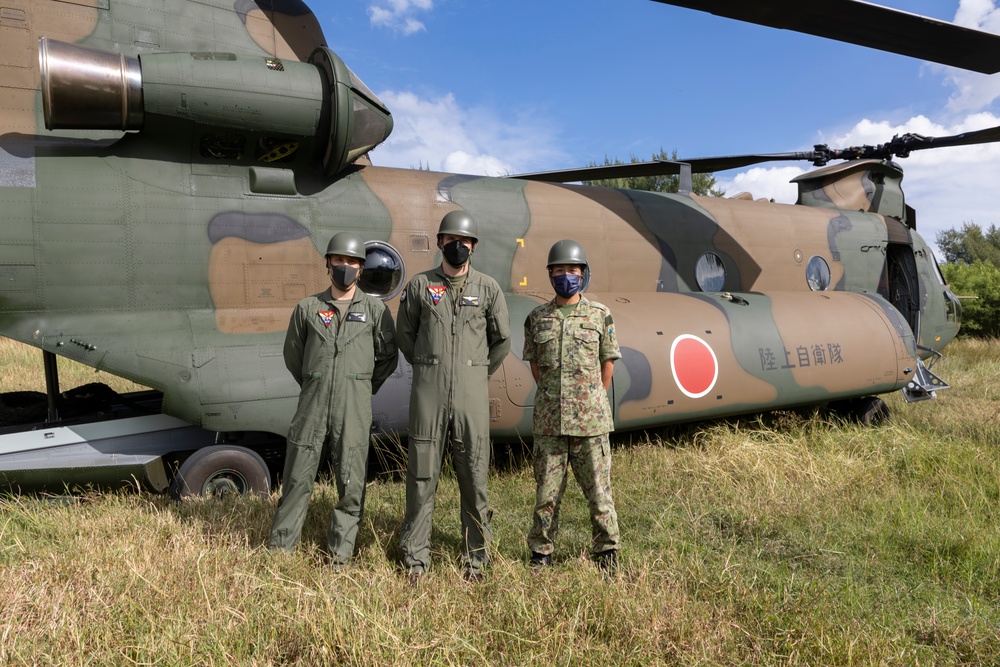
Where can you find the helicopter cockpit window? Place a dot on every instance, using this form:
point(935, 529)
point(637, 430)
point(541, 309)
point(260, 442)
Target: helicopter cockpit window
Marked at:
point(710, 273)
point(384, 272)
point(818, 274)
point(937, 270)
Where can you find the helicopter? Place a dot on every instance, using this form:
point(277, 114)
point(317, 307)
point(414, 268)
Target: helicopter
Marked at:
point(170, 174)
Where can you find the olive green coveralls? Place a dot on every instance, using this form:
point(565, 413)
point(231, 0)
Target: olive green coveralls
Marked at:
point(454, 343)
point(339, 362)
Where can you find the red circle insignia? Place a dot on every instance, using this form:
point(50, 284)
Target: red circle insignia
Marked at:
point(694, 365)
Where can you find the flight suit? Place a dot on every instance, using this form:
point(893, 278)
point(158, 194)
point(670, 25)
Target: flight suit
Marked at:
point(454, 343)
point(572, 417)
point(339, 360)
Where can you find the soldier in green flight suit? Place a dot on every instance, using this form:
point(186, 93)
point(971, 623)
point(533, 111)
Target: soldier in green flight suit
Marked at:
point(340, 348)
point(571, 345)
point(454, 330)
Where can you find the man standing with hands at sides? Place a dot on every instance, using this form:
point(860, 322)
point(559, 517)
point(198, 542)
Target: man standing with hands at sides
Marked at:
point(571, 345)
point(340, 348)
point(454, 330)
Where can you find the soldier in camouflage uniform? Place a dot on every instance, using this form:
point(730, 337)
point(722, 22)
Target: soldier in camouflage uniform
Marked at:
point(455, 331)
point(340, 348)
point(571, 345)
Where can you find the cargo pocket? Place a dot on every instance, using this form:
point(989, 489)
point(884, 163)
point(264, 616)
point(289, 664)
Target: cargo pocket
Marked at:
point(586, 347)
point(420, 463)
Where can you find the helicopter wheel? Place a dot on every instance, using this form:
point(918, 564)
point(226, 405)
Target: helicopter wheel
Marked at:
point(873, 412)
point(219, 471)
point(867, 410)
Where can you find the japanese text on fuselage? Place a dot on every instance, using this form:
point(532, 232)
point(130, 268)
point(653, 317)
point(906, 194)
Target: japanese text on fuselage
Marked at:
point(819, 354)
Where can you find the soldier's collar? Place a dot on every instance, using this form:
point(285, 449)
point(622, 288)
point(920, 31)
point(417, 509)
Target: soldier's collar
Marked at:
point(439, 271)
point(582, 301)
point(328, 296)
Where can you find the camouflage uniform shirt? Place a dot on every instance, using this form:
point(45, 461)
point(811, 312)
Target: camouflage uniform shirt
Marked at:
point(569, 351)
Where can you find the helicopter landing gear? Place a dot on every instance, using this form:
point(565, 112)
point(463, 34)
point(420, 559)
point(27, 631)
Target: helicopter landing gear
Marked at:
point(867, 410)
point(218, 471)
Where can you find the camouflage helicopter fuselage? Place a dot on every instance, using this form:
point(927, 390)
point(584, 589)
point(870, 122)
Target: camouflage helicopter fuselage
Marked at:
point(174, 255)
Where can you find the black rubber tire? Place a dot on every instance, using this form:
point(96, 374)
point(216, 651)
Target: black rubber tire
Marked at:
point(866, 410)
point(220, 470)
point(872, 411)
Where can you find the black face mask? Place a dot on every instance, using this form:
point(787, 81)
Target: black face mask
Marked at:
point(456, 253)
point(344, 275)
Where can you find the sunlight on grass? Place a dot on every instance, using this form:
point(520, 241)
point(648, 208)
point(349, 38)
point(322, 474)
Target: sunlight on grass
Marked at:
point(787, 539)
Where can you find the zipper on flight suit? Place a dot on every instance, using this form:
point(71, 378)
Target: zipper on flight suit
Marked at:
point(456, 297)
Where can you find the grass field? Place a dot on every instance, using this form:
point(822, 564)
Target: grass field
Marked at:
point(784, 540)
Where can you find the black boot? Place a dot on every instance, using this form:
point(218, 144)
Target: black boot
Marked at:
point(540, 560)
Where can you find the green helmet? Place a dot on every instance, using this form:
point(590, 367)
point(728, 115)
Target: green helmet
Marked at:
point(567, 251)
point(459, 223)
point(348, 244)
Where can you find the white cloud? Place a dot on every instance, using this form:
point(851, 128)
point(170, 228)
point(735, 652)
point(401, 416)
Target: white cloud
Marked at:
point(399, 15)
point(764, 182)
point(441, 135)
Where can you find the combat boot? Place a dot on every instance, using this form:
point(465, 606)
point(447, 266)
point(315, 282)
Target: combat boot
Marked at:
point(607, 560)
point(539, 561)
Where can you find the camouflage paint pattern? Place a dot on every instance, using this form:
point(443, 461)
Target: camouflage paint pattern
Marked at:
point(162, 258)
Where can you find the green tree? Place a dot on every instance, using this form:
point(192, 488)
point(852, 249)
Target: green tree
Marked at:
point(969, 244)
point(979, 279)
point(702, 184)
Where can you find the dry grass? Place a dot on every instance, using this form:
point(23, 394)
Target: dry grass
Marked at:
point(783, 540)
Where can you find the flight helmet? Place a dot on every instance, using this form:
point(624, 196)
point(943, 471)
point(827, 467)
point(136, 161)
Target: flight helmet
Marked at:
point(567, 251)
point(459, 223)
point(348, 244)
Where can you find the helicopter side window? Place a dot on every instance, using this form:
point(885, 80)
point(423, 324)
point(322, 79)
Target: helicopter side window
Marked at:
point(710, 272)
point(384, 271)
point(818, 274)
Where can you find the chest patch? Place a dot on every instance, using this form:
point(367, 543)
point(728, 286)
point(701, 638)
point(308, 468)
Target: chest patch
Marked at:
point(436, 292)
point(470, 300)
point(357, 317)
point(326, 316)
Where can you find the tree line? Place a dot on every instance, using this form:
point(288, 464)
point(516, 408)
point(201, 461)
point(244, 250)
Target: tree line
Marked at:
point(972, 270)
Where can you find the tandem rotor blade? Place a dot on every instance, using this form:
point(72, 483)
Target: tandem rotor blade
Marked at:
point(899, 146)
point(660, 167)
point(913, 142)
point(865, 24)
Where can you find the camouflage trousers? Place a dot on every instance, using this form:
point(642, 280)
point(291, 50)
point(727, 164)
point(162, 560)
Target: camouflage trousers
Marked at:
point(590, 458)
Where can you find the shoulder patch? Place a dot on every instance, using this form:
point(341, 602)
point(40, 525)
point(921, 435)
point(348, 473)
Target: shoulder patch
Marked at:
point(402, 296)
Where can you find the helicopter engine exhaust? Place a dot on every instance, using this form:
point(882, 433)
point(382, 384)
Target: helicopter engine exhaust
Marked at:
point(88, 89)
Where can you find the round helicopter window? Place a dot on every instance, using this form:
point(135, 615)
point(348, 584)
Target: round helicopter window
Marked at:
point(710, 272)
point(384, 272)
point(818, 274)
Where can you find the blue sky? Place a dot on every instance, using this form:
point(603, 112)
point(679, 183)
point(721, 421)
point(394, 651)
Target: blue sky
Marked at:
point(494, 87)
